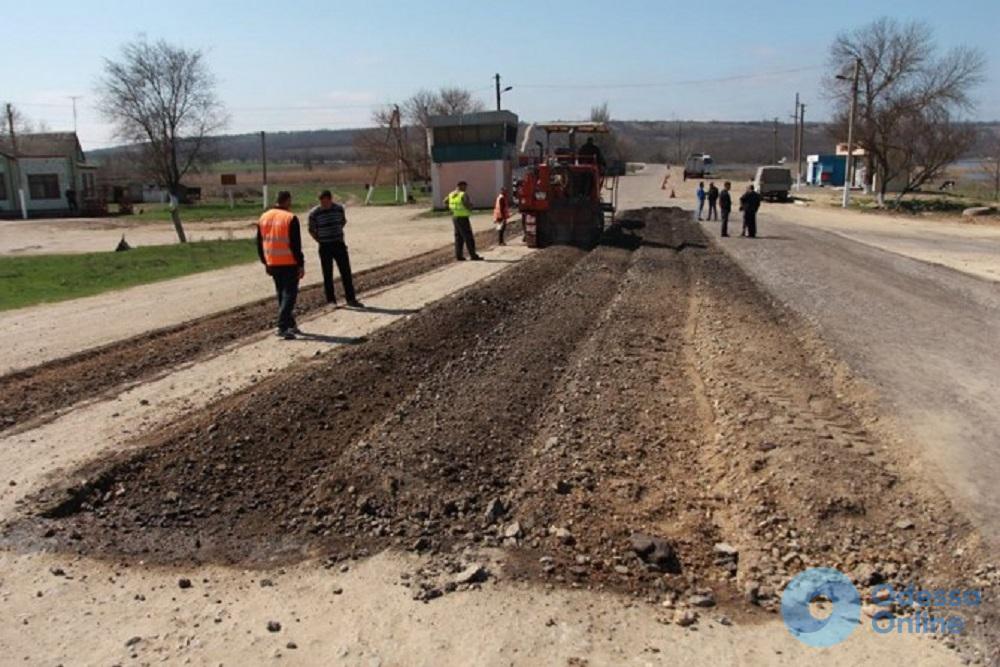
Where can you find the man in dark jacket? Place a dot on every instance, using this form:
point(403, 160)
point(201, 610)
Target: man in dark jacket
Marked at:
point(326, 226)
point(749, 204)
point(279, 246)
point(713, 197)
point(725, 206)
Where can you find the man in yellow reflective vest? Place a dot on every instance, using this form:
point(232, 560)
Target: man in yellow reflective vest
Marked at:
point(461, 209)
point(279, 246)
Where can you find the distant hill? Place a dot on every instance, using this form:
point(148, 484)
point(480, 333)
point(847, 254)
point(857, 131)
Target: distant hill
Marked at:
point(645, 140)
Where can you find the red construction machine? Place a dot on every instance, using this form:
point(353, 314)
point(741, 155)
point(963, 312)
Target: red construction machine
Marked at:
point(566, 194)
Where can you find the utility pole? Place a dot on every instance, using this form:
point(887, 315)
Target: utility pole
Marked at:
point(17, 178)
point(795, 130)
point(774, 148)
point(802, 143)
point(680, 158)
point(263, 166)
point(848, 181)
point(496, 78)
point(74, 98)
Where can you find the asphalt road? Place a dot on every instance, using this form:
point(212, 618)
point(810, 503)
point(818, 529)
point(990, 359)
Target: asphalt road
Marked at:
point(925, 335)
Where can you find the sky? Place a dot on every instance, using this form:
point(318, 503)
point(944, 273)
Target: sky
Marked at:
point(301, 64)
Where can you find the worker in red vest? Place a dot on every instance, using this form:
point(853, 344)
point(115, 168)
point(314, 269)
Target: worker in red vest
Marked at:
point(279, 246)
point(501, 213)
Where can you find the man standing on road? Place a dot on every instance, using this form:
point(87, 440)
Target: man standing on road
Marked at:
point(461, 209)
point(279, 246)
point(501, 213)
point(749, 204)
point(326, 226)
point(700, 193)
point(713, 197)
point(725, 206)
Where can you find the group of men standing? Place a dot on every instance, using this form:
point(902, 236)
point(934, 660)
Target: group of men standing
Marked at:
point(279, 246)
point(721, 202)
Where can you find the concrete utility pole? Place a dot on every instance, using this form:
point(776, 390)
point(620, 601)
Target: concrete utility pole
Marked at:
point(774, 148)
point(848, 181)
point(263, 166)
point(496, 78)
point(802, 137)
point(795, 130)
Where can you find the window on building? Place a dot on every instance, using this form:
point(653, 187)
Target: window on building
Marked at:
point(3, 186)
point(43, 186)
point(88, 184)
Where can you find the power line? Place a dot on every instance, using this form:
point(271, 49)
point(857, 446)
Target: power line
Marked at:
point(664, 84)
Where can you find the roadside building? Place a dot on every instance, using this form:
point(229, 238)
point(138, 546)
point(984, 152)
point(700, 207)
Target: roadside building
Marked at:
point(478, 148)
point(52, 171)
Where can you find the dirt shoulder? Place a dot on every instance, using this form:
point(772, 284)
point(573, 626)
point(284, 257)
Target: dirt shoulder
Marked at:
point(46, 332)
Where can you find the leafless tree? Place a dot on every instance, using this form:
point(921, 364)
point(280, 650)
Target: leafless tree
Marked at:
point(22, 124)
point(453, 100)
point(163, 98)
point(909, 99)
point(417, 110)
point(613, 145)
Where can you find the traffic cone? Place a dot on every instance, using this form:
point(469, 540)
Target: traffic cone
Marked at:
point(672, 194)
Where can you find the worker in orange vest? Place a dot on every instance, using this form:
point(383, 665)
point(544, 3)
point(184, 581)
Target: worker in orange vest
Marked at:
point(501, 213)
point(279, 246)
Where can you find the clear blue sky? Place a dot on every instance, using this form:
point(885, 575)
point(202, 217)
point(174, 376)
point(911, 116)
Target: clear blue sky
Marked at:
point(561, 57)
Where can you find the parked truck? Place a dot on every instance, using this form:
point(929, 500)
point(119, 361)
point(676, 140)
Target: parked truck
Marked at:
point(773, 183)
point(698, 165)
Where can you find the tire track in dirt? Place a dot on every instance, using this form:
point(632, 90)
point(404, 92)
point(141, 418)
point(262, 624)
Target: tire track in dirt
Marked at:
point(29, 396)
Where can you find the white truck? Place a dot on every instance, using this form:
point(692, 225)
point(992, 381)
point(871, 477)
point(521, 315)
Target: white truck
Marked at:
point(698, 165)
point(773, 183)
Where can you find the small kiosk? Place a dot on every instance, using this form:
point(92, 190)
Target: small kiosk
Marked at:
point(478, 148)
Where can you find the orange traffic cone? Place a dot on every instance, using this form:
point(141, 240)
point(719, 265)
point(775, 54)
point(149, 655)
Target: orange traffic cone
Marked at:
point(672, 194)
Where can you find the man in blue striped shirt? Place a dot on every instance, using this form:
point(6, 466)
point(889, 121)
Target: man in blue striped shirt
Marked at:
point(326, 226)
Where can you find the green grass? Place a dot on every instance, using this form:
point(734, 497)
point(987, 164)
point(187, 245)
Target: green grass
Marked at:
point(303, 198)
point(28, 280)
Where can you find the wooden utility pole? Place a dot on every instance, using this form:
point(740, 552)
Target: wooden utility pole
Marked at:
point(393, 134)
point(263, 166)
point(848, 181)
point(16, 176)
point(496, 78)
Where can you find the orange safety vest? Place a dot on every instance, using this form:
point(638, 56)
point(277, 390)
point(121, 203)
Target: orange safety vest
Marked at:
point(501, 211)
point(274, 231)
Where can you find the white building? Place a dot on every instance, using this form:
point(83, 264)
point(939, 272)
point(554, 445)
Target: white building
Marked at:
point(43, 175)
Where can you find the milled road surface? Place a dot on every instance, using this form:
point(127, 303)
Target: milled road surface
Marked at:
point(910, 306)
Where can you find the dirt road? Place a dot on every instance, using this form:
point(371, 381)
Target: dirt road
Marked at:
point(45, 332)
point(504, 445)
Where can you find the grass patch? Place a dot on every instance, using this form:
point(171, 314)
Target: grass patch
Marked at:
point(25, 281)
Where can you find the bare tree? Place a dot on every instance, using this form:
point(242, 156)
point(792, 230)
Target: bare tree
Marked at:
point(600, 113)
point(22, 124)
point(452, 100)
point(908, 100)
point(163, 98)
